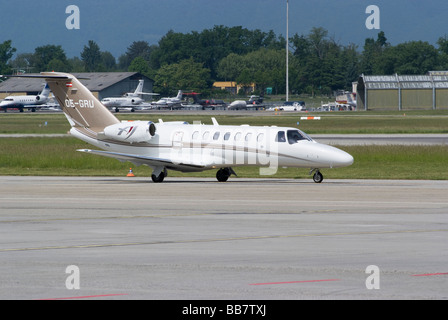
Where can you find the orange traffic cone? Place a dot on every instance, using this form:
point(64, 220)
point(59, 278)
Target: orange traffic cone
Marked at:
point(130, 174)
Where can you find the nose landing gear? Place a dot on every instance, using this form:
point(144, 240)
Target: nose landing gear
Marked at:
point(317, 177)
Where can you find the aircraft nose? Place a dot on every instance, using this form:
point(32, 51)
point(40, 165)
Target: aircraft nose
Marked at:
point(334, 157)
point(342, 159)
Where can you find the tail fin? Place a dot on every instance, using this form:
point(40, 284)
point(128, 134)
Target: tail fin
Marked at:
point(139, 87)
point(45, 91)
point(81, 107)
point(179, 95)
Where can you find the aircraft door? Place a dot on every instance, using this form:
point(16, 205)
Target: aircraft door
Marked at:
point(177, 139)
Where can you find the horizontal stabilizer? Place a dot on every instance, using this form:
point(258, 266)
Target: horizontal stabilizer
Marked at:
point(46, 75)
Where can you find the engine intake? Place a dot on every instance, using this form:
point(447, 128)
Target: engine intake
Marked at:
point(132, 132)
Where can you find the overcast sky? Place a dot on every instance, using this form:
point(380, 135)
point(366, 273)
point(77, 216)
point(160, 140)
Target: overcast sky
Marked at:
point(115, 24)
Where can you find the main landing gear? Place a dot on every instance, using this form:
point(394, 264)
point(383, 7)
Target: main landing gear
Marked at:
point(158, 176)
point(223, 174)
point(317, 177)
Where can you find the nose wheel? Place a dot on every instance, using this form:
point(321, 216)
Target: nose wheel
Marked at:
point(317, 177)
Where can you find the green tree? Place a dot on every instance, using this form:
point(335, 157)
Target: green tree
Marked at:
point(318, 63)
point(413, 58)
point(229, 68)
point(372, 55)
point(6, 53)
point(185, 75)
point(56, 65)
point(141, 65)
point(211, 46)
point(22, 62)
point(443, 52)
point(139, 49)
point(76, 64)
point(91, 56)
point(44, 54)
point(108, 61)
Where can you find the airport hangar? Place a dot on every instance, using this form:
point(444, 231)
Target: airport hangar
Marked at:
point(403, 92)
point(102, 84)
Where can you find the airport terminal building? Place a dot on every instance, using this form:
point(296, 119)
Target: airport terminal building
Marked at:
point(102, 84)
point(403, 92)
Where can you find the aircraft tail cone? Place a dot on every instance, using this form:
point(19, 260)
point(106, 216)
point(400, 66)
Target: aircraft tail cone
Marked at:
point(130, 174)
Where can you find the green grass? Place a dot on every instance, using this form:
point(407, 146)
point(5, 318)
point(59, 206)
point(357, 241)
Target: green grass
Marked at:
point(58, 157)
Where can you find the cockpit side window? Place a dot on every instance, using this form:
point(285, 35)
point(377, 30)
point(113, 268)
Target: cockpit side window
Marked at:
point(280, 136)
point(295, 136)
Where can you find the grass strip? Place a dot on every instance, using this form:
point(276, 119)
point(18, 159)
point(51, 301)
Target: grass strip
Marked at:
point(58, 157)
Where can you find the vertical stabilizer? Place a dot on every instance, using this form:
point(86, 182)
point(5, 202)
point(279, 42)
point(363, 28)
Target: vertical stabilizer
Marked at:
point(139, 89)
point(45, 91)
point(81, 107)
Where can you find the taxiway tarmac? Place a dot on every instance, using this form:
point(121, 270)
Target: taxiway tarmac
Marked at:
point(192, 238)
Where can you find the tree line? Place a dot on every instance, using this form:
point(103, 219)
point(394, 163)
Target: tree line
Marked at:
point(318, 64)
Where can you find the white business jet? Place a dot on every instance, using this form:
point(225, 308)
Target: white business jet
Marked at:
point(131, 99)
point(186, 147)
point(30, 102)
point(170, 102)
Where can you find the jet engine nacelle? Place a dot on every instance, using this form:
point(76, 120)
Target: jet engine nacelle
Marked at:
point(132, 132)
point(40, 99)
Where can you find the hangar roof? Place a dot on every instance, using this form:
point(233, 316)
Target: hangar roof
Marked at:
point(97, 81)
point(437, 80)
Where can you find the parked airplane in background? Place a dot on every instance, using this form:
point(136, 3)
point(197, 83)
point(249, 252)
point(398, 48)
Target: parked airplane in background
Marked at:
point(254, 102)
point(170, 102)
point(183, 147)
point(128, 100)
point(238, 105)
point(346, 100)
point(29, 102)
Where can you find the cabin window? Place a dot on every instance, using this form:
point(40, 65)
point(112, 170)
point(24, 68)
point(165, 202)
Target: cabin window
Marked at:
point(280, 136)
point(260, 137)
point(216, 135)
point(206, 135)
point(238, 136)
point(248, 136)
point(227, 136)
point(195, 135)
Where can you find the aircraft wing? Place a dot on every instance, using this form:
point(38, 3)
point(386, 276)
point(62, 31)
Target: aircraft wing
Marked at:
point(150, 161)
point(149, 94)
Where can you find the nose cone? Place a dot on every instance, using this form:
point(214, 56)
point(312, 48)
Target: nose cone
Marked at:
point(332, 157)
point(342, 159)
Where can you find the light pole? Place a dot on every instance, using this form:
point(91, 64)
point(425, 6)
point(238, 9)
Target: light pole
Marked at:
point(287, 50)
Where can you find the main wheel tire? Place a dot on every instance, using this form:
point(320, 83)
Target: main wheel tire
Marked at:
point(158, 179)
point(222, 175)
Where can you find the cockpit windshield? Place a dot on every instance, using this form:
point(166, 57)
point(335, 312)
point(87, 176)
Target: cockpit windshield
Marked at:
point(295, 136)
point(292, 136)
